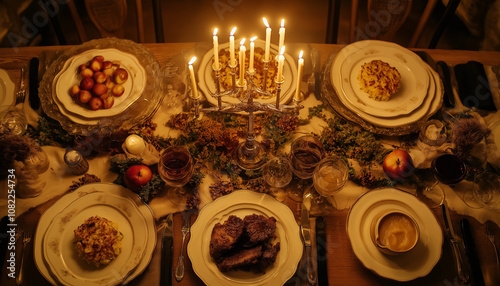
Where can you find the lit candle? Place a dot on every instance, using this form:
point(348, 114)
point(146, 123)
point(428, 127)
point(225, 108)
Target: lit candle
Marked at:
point(194, 94)
point(216, 50)
point(252, 51)
point(135, 144)
point(242, 62)
point(268, 40)
point(231, 47)
point(281, 63)
point(282, 35)
point(299, 75)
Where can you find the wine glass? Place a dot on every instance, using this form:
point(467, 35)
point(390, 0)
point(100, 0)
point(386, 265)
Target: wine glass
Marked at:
point(329, 177)
point(448, 169)
point(176, 169)
point(305, 154)
point(487, 189)
point(277, 173)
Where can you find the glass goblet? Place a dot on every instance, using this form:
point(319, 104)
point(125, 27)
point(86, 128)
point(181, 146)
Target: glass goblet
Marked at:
point(13, 119)
point(487, 190)
point(329, 177)
point(305, 154)
point(277, 173)
point(175, 167)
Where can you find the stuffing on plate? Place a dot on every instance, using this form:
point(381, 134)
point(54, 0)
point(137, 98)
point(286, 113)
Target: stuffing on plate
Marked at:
point(98, 240)
point(379, 80)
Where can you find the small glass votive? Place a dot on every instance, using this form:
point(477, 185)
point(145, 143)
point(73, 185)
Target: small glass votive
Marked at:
point(13, 119)
point(433, 133)
point(76, 163)
point(305, 154)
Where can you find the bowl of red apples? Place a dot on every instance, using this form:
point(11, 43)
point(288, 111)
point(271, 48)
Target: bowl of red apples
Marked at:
point(101, 82)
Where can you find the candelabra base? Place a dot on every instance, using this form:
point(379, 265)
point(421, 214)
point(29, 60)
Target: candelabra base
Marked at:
point(250, 155)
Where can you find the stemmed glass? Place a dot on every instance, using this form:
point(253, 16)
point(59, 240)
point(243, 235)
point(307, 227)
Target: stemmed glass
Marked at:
point(448, 169)
point(330, 176)
point(277, 172)
point(305, 154)
point(176, 169)
point(487, 189)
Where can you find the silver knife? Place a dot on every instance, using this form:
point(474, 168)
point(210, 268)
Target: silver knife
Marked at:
point(166, 252)
point(455, 240)
point(305, 228)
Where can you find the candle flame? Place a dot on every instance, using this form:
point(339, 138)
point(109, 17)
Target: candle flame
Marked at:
point(282, 52)
point(265, 22)
point(253, 39)
point(282, 23)
point(242, 42)
point(233, 31)
point(301, 54)
point(215, 32)
point(192, 60)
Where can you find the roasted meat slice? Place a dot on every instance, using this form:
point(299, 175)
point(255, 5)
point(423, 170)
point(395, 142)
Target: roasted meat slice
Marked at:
point(240, 258)
point(269, 255)
point(258, 229)
point(224, 236)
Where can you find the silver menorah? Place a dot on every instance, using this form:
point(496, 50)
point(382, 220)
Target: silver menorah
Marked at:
point(250, 154)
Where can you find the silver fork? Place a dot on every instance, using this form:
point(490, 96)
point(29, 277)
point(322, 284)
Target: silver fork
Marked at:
point(21, 94)
point(186, 226)
point(491, 237)
point(26, 241)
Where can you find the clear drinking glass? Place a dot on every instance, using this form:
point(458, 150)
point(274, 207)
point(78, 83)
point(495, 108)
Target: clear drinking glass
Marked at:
point(330, 176)
point(277, 173)
point(176, 167)
point(13, 119)
point(487, 189)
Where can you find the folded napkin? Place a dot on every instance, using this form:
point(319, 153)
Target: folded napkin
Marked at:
point(474, 89)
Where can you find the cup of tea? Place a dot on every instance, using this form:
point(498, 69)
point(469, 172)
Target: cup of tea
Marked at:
point(305, 154)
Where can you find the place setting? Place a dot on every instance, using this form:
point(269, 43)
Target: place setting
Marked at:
point(399, 107)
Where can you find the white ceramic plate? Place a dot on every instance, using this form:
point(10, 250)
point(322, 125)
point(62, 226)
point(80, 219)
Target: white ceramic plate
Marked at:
point(59, 248)
point(69, 76)
point(207, 84)
point(63, 202)
point(413, 85)
point(431, 104)
point(416, 263)
point(242, 203)
point(6, 89)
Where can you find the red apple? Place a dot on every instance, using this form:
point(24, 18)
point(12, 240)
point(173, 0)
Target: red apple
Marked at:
point(86, 72)
point(99, 89)
point(96, 65)
point(87, 83)
point(107, 65)
point(100, 77)
point(84, 96)
point(137, 176)
point(82, 67)
point(108, 101)
point(96, 103)
point(120, 75)
point(75, 90)
point(118, 90)
point(99, 58)
point(398, 165)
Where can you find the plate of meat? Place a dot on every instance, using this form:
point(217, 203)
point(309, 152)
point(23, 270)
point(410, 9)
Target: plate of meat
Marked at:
point(245, 238)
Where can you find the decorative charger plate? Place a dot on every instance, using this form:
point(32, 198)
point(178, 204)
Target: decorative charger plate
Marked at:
point(59, 247)
point(139, 111)
point(207, 84)
point(242, 203)
point(6, 89)
point(69, 76)
point(111, 190)
point(405, 267)
point(413, 84)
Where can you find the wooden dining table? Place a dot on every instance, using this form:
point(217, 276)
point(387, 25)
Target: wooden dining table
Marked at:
point(343, 267)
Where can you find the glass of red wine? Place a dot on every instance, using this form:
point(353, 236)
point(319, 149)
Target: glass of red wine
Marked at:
point(305, 154)
point(175, 167)
point(450, 170)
